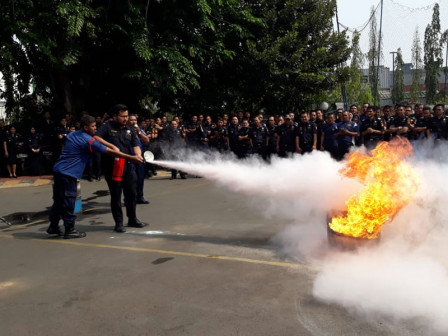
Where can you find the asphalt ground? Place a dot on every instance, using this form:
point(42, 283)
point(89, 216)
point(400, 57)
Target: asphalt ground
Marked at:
point(205, 265)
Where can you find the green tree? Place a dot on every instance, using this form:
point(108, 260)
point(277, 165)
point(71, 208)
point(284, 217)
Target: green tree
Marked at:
point(398, 88)
point(297, 53)
point(433, 56)
point(443, 42)
point(85, 55)
point(372, 54)
point(358, 90)
point(417, 66)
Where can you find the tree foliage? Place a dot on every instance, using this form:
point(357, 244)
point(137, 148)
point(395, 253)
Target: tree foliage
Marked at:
point(201, 54)
point(417, 66)
point(358, 90)
point(398, 88)
point(372, 54)
point(433, 56)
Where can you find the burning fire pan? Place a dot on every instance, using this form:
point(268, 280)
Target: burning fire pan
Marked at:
point(342, 242)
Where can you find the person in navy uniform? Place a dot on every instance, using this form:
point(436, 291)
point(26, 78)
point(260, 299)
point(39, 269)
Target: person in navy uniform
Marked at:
point(388, 118)
point(422, 126)
point(35, 158)
point(176, 143)
point(232, 131)
point(196, 136)
point(306, 136)
point(257, 135)
point(347, 130)
point(219, 137)
point(11, 143)
point(271, 140)
point(319, 125)
point(286, 138)
point(68, 169)
point(372, 129)
point(400, 124)
point(244, 141)
point(143, 139)
point(121, 176)
point(328, 140)
point(438, 124)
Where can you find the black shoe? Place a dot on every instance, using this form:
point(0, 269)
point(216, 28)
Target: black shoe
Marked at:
point(54, 230)
point(142, 201)
point(72, 233)
point(173, 178)
point(119, 228)
point(98, 179)
point(136, 223)
point(90, 179)
point(154, 172)
point(183, 177)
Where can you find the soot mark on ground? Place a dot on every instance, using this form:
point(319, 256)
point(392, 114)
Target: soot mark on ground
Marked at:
point(161, 260)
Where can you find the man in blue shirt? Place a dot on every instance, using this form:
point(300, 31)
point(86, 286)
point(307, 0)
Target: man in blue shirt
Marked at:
point(347, 131)
point(77, 152)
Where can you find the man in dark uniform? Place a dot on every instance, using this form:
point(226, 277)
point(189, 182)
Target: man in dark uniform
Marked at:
point(244, 141)
point(68, 170)
point(319, 125)
point(120, 175)
point(219, 138)
point(257, 135)
point(372, 129)
point(328, 141)
point(176, 143)
point(193, 132)
point(61, 132)
point(400, 125)
point(271, 140)
point(347, 131)
point(232, 131)
point(286, 138)
point(423, 124)
point(438, 124)
point(143, 139)
point(306, 137)
point(388, 118)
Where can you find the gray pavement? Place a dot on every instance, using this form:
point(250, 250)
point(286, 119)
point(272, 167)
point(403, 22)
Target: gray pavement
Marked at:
point(205, 265)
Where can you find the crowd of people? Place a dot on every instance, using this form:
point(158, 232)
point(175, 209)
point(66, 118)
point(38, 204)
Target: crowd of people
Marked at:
point(284, 135)
point(239, 133)
point(113, 146)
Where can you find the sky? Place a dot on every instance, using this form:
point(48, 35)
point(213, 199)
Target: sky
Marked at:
point(400, 20)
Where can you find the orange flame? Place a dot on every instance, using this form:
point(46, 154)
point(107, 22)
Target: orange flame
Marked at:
point(390, 185)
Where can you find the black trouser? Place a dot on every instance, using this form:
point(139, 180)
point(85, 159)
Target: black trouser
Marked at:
point(371, 143)
point(64, 198)
point(342, 150)
point(306, 149)
point(333, 151)
point(128, 186)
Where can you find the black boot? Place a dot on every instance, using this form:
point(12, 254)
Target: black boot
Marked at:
point(119, 228)
point(54, 229)
point(136, 223)
point(71, 233)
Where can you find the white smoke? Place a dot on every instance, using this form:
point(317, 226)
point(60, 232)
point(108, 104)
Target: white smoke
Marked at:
point(403, 277)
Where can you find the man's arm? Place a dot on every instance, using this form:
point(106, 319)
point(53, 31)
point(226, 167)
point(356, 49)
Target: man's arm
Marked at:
point(105, 143)
point(134, 158)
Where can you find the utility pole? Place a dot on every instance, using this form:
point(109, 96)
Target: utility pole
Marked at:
point(377, 96)
point(393, 69)
point(343, 90)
